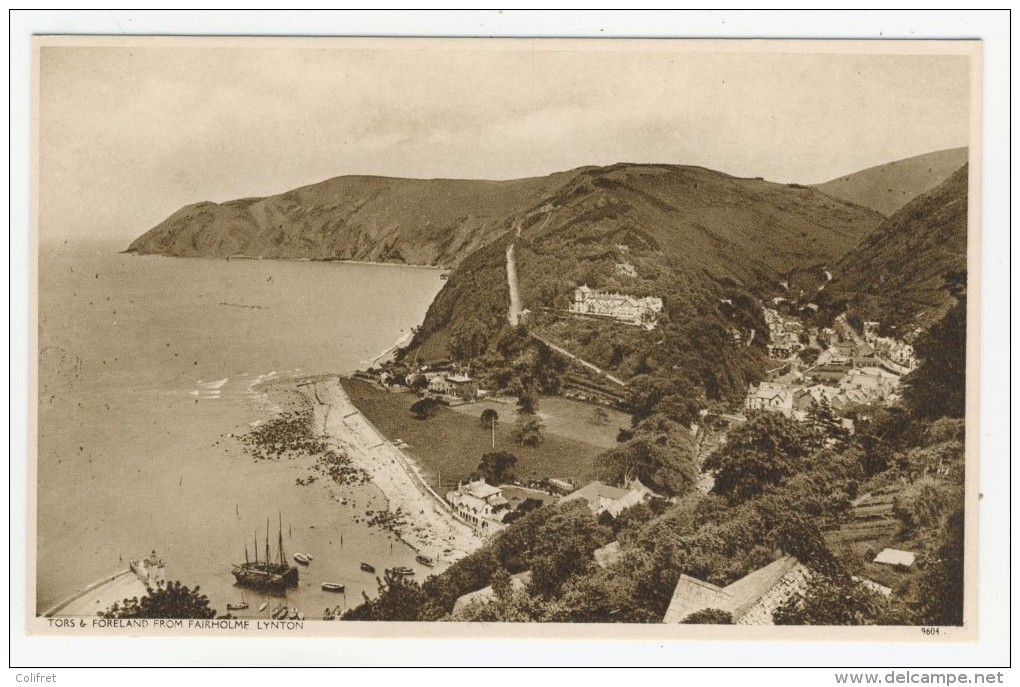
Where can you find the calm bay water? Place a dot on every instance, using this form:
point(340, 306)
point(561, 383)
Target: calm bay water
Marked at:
point(134, 409)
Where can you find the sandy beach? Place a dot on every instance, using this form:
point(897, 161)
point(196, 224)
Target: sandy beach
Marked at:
point(432, 530)
point(100, 595)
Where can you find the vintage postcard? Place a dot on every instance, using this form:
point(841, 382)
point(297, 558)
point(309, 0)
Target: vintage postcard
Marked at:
point(504, 338)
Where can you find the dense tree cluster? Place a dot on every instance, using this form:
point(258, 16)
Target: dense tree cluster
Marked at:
point(172, 600)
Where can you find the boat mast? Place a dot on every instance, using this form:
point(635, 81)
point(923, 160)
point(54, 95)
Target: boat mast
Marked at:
point(283, 560)
point(267, 541)
point(246, 554)
point(256, 548)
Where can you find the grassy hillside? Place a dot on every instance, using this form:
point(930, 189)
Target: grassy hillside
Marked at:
point(414, 221)
point(887, 188)
point(896, 275)
point(703, 241)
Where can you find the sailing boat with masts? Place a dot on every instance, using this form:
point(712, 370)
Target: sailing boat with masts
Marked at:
point(269, 574)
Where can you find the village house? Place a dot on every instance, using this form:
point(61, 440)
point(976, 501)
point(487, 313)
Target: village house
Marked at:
point(618, 306)
point(481, 505)
point(873, 383)
point(770, 396)
point(625, 269)
point(451, 384)
point(896, 557)
point(602, 498)
point(750, 600)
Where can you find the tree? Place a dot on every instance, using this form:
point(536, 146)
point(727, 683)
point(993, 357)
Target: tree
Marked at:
point(399, 599)
point(526, 506)
point(922, 503)
point(488, 418)
point(941, 582)
point(497, 467)
point(663, 466)
point(510, 604)
point(709, 616)
point(425, 408)
point(937, 387)
point(839, 600)
point(563, 547)
point(528, 432)
point(809, 356)
point(762, 452)
point(646, 392)
point(527, 400)
point(173, 600)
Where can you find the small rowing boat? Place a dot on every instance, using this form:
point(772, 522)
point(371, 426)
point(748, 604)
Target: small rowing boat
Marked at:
point(302, 558)
point(367, 568)
point(332, 587)
point(425, 560)
point(263, 606)
point(237, 607)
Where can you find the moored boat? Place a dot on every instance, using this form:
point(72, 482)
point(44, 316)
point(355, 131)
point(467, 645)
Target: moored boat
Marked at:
point(368, 568)
point(267, 574)
point(302, 558)
point(237, 607)
point(263, 606)
point(425, 560)
point(332, 587)
point(401, 570)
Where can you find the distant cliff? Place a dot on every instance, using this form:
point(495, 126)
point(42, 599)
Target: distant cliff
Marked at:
point(897, 273)
point(414, 221)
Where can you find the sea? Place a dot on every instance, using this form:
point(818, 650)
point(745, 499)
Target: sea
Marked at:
point(146, 368)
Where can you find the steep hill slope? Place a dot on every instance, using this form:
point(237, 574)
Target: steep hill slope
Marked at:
point(887, 188)
point(896, 275)
point(703, 241)
point(414, 221)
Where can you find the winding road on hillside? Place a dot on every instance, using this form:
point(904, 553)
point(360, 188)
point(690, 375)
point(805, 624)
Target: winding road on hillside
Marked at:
point(590, 366)
point(514, 314)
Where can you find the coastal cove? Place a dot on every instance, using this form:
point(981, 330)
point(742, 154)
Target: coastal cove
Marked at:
point(152, 368)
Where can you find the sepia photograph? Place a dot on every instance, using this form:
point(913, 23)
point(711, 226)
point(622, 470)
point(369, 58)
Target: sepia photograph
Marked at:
point(453, 337)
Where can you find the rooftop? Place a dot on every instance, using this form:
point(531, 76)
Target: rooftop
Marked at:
point(692, 595)
point(518, 581)
point(895, 557)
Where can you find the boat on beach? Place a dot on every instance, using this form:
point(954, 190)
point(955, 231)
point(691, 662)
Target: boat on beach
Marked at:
point(280, 612)
point(302, 558)
point(368, 568)
point(238, 606)
point(401, 570)
point(332, 587)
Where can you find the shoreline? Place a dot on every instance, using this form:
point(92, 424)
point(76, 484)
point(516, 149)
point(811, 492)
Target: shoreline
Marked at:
point(98, 596)
point(432, 529)
point(283, 259)
point(402, 342)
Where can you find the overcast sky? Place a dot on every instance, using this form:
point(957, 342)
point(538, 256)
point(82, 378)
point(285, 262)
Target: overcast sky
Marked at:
point(130, 134)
